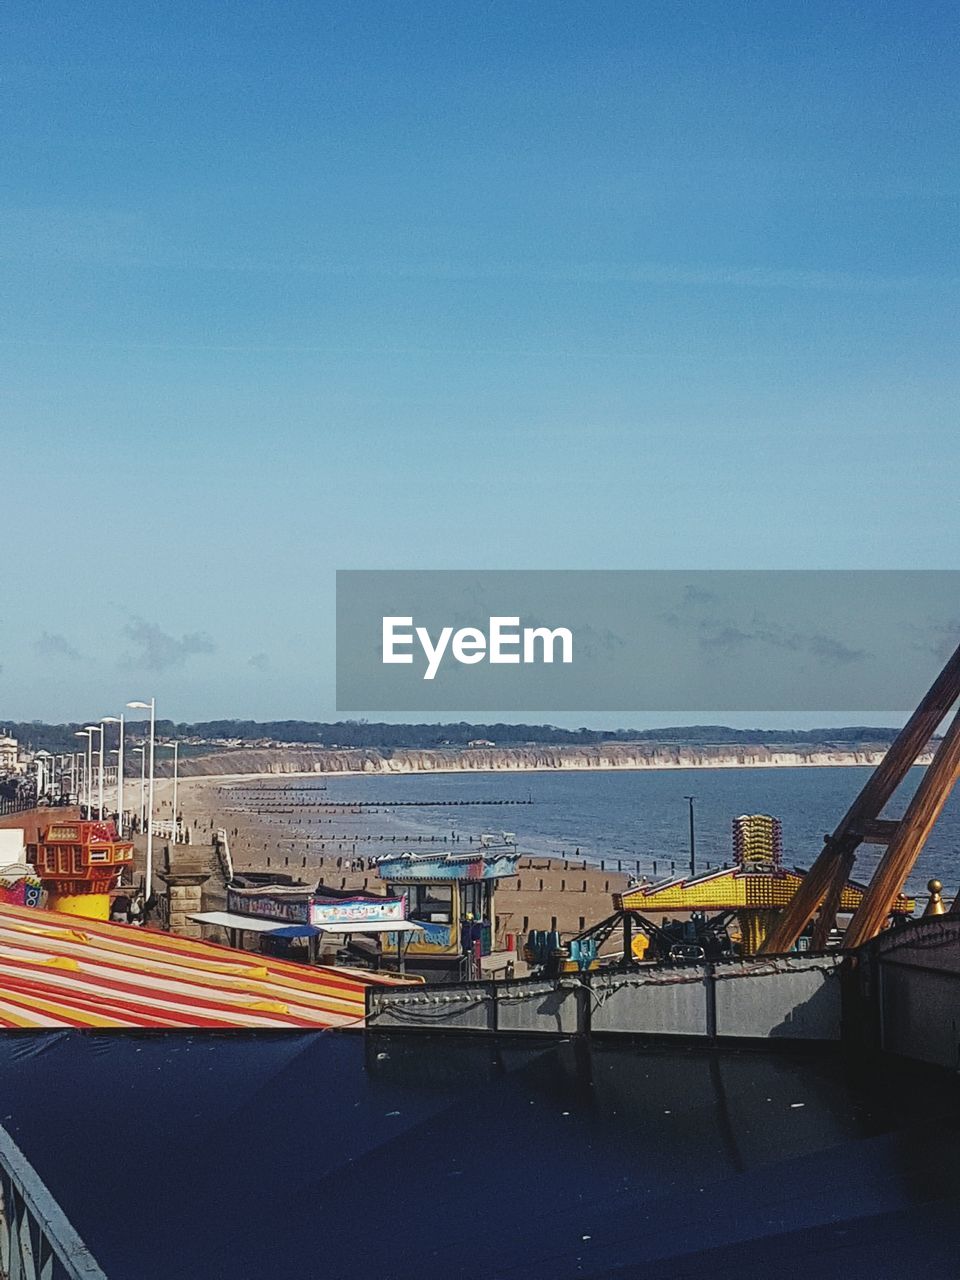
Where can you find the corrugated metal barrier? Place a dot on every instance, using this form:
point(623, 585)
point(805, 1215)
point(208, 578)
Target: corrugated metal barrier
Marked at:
point(787, 998)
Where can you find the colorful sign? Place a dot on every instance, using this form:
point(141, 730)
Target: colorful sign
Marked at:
point(22, 890)
point(63, 833)
point(344, 911)
point(446, 867)
point(96, 832)
point(433, 938)
point(268, 907)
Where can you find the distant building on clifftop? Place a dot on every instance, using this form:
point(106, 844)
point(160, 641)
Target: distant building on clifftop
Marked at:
point(9, 754)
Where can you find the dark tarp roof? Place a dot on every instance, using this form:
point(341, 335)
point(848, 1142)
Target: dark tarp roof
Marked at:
point(316, 1154)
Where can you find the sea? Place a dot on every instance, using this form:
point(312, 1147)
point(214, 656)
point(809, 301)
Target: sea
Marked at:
point(633, 820)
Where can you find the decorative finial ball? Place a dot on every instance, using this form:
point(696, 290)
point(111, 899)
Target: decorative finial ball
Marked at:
point(935, 886)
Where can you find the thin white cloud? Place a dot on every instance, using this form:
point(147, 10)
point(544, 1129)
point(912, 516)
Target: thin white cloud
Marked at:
point(157, 650)
point(54, 235)
point(54, 645)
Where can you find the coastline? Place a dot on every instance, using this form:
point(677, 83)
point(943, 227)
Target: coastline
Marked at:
point(272, 826)
point(281, 763)
point(335, 845)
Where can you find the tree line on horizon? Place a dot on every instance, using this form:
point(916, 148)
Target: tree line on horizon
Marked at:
point(372, 735)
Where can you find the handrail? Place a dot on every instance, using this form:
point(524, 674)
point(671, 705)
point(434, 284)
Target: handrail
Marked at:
point(36, 1236)
point(222, 847)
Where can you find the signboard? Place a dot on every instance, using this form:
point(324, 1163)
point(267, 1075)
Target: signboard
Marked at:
point(443, 867)
point(433, 938)
point(345, 911)
point(81, 833)
point(266, 907)
point(62, 833)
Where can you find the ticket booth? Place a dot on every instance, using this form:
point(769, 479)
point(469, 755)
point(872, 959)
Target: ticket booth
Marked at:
point(451, 896)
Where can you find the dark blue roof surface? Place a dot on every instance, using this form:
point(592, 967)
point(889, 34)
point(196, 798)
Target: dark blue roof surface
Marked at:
point(307, 1155)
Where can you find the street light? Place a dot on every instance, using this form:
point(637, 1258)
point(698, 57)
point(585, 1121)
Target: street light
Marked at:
point(176, 747)
point(693, 839)
point(76, 772)
point(44, 773)
point(88, 771)
point(98, 728)
point(150, 706)
point(56, 774)
point(142, 753)
point(119, 753)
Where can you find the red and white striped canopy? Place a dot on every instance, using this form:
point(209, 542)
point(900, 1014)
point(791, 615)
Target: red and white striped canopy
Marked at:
point(58, 970)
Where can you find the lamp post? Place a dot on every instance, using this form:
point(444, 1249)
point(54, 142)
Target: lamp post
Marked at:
point(88, 771)
point(102, 778)
point(44, 772)
point(174, 747)
point(693, 838)
point(118, 720)
point(142, 752)
point(176, 757)
point(98, 728)
point(150, 706)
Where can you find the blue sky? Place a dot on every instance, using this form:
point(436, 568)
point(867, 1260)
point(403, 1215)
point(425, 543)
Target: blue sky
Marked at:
point(292, 288)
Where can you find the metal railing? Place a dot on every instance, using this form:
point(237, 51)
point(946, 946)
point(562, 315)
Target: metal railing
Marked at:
point(24, 803)
point(37, 1240)
point(17, 804)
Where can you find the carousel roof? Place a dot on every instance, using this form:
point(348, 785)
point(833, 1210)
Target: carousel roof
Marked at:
point(731, 888)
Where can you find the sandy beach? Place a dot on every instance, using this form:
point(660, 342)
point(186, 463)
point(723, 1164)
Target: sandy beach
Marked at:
point(336, 844)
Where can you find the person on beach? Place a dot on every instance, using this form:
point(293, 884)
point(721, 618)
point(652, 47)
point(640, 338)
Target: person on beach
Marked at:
point(466, 942)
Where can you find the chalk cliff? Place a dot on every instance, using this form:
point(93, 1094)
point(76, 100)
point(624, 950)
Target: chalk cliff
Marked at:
point(515, 759)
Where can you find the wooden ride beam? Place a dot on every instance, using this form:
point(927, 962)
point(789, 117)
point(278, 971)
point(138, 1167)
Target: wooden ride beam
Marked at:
point(880, 831)
point(905, 847)
point(841, 873)
point(836, 858)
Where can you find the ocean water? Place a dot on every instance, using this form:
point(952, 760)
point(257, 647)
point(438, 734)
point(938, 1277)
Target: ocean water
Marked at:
point(634, 817)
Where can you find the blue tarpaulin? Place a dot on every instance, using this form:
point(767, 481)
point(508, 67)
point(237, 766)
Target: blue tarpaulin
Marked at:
point(314, 1155)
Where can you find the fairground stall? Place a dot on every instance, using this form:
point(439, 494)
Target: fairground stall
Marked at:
point(452, 897)
point(283, 911)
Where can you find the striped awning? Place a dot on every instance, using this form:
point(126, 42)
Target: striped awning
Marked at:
point(58, 970)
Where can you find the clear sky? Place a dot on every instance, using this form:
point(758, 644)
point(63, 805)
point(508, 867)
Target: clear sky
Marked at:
point(296, 287)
